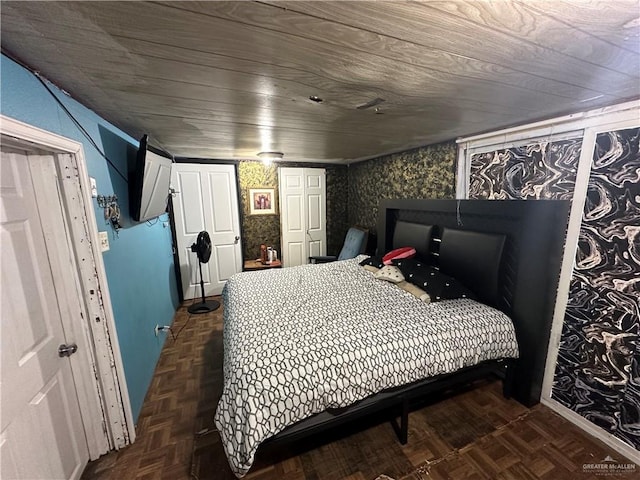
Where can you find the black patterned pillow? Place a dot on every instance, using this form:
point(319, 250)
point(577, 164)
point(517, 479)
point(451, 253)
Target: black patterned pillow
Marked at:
point(410, 264)
point(438, 285)
point(373, 261)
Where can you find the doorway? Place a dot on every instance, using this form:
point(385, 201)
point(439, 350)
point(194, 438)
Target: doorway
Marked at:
point(303, 200)
point(64, 398)
point(206, 198)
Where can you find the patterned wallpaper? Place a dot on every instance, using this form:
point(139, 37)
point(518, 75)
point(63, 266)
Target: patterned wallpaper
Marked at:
point(337, 221)
point(258, 229)
point(597, 372)
point(353, 193)
point(425, 172)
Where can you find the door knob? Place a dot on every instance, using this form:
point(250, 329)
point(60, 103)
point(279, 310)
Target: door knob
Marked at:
point(67, 350)
point(236, 239)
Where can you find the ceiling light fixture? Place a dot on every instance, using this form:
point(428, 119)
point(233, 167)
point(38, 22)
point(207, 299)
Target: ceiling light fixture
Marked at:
point(315, 98)
point(268, 157)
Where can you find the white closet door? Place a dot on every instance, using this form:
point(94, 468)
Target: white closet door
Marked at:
point(292, 217)
point(303, 215)
point(315, 208)
point(207, 199)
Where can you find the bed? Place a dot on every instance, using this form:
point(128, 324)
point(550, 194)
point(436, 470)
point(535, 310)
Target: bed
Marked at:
point(310, 347)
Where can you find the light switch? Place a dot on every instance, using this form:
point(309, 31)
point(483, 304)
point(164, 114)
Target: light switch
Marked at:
point(94, 189)
point(104, 241)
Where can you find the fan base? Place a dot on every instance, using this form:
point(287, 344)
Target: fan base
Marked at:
point(204, 307)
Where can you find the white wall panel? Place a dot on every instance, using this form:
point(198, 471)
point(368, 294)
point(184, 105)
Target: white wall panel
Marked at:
point(226, 255)
point(295, 251)
point(294, 216)
point(193, 220)
point(314, 181)
point(292, 181)
point(314, 213)
point(220, 184)
point(315, 248)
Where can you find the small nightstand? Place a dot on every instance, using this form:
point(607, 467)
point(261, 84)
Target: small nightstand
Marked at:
point(253, 265)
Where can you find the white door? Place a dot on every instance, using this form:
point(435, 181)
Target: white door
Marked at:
point(316, 215)
point(303, 215)
point(206, 199)
point(292, 218)
point(42, 433)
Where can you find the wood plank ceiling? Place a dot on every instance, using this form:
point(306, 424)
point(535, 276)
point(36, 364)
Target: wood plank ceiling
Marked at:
point(227, 80)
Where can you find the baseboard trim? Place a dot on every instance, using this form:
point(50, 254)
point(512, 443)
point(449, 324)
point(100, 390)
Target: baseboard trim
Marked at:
point(614, 442)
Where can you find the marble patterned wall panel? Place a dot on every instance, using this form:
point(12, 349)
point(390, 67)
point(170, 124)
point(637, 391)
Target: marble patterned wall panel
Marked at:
point(597, 368)
point(597, 371)
point(425, 172)
point(540, 170)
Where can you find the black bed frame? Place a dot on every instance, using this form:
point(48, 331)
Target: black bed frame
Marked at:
point(528, 280)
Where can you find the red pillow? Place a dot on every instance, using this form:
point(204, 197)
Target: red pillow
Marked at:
point(404, 252)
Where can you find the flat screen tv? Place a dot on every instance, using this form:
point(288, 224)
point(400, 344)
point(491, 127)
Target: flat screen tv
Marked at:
point(151, 182)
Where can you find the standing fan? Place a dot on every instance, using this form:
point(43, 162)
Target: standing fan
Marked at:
point(202, 248)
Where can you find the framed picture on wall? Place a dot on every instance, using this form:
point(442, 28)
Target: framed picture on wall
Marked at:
point(262, 201)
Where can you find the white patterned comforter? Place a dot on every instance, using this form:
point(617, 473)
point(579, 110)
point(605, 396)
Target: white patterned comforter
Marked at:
point(300, 340)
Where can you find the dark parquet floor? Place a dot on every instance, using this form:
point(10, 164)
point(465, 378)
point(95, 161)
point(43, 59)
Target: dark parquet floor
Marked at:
point(472, 434)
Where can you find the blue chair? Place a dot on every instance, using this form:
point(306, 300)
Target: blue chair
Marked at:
point(355, 243)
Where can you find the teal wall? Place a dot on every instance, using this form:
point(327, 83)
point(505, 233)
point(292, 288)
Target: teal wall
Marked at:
point(139, 264)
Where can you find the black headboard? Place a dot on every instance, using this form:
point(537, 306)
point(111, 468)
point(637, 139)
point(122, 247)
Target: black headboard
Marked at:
point(529, 271)
point(417, 235)
point(475, 258)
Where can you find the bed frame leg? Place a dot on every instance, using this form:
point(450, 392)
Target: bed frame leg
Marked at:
point(509, 379)
point(402, 430)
